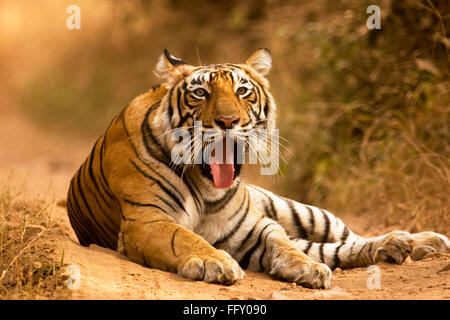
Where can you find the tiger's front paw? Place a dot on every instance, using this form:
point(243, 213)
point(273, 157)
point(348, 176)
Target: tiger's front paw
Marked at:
point(218, 267)
point(393, 248)
point(428, 242)
point(298, 268)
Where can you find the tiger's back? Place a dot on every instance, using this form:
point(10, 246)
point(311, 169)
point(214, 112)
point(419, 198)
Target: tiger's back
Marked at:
point(91, 206)
point(93, 209)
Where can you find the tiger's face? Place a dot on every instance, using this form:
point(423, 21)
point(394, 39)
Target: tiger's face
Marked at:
point(229, 104)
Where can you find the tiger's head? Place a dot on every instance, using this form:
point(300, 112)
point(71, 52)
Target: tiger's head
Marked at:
point(231, 104)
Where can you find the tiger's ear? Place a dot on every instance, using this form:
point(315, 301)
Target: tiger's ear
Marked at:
point(261, 61)
point(167, 63)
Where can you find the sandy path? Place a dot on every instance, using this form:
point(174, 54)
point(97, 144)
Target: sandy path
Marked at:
point(45, 163)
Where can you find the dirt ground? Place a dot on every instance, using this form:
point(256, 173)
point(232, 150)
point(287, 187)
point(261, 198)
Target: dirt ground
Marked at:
point(44, 164)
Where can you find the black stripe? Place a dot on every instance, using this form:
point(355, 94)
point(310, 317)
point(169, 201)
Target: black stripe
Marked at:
point(345, 234)
point(167, 203)
point(184, 119)
point(92, 193)
point(322, 259)
point(170, 107)
point(195, 81)
point(306, 250)
point(230, 74)
point(104, 181)
point(267, 210)
point(258, 99)
point(179, 103)
point(246, 259)
point(180, 114)
point(245, 124)
point(78, 226)
point(186, 102)
point(259, 104)
point(360, 251)
point(246, 198)
point(351, 248)
point(336, 260)
point(266, 110)
point(80, 214)
point(266, 103)
point(247, 237)
point(198, 203)
point(219, 204)
point(259, 87)
point(172, 242)
point(255, 114)
point(92, 176)
point(238, 224)
point(311, 219)
point(370, 249)
point(253, 101)
point(167, 191)
point(103, 189)
point(261, 257)
point(101, 231)
point(140, 204)
point(170, 111)
point(295, 216)
point(272, 213)
point(146, 164)
point(148, 137)
point(327, 227)
point(86, 223)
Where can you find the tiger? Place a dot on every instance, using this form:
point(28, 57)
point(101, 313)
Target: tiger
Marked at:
point(202, 220)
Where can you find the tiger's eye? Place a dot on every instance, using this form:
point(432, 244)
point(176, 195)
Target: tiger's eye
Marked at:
point(241, 91)
point(200, 92)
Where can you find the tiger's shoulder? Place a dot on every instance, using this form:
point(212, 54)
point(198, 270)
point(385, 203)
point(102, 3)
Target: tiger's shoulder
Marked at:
point(144, 101)
point(133, 114)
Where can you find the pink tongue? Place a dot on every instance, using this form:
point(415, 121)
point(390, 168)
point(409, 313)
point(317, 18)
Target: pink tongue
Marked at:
point(223, 173)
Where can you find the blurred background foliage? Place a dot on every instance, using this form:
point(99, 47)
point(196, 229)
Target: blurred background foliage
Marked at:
point(365, 112)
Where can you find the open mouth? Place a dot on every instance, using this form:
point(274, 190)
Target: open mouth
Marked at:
point(222, 170)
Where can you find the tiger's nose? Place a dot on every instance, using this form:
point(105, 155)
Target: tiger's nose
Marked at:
point(227, 122)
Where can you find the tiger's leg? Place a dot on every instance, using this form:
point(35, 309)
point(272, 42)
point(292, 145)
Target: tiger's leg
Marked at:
point(152, 238)
point(267, 248)
point(327, 239)
point(393, 247)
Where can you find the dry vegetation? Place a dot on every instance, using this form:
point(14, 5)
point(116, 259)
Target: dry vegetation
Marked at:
point(28, 265)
